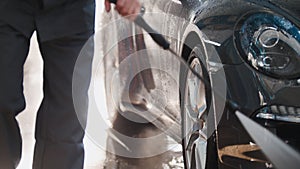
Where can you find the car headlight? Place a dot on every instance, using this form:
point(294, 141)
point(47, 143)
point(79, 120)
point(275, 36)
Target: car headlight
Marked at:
point(270, 44)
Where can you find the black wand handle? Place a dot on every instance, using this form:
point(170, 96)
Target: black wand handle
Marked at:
point(113, 1)
point(157, 37)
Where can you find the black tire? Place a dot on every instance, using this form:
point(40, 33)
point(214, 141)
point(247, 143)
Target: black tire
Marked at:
point(191, 159)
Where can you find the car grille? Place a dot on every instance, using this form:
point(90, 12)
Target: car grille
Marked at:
point(279, 113)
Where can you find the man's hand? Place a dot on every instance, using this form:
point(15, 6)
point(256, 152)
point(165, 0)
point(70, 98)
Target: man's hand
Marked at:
point(127, 8)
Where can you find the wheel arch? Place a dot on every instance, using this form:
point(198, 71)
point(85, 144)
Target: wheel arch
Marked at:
point(192, 37)
point(189, 43)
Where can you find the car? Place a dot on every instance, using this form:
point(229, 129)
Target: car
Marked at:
point(247, 54)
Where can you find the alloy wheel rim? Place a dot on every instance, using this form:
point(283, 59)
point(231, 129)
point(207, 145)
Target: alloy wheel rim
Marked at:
point(195, 103)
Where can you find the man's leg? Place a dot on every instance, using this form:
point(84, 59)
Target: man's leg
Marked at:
point(14, 48)
point(59, 128)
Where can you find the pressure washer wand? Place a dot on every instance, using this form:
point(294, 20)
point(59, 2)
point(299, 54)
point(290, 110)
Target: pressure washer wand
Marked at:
point(160, 40)
point(157, 37)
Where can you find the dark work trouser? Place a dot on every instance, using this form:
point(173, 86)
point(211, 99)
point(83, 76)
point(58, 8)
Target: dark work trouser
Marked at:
point(62, 115)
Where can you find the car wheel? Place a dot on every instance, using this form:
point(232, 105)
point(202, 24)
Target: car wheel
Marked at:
point(195, 103)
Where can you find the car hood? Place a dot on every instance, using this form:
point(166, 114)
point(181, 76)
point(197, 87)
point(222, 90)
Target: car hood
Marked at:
point(286, 8)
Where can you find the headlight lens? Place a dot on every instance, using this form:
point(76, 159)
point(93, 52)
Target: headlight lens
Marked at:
point(270, 44)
